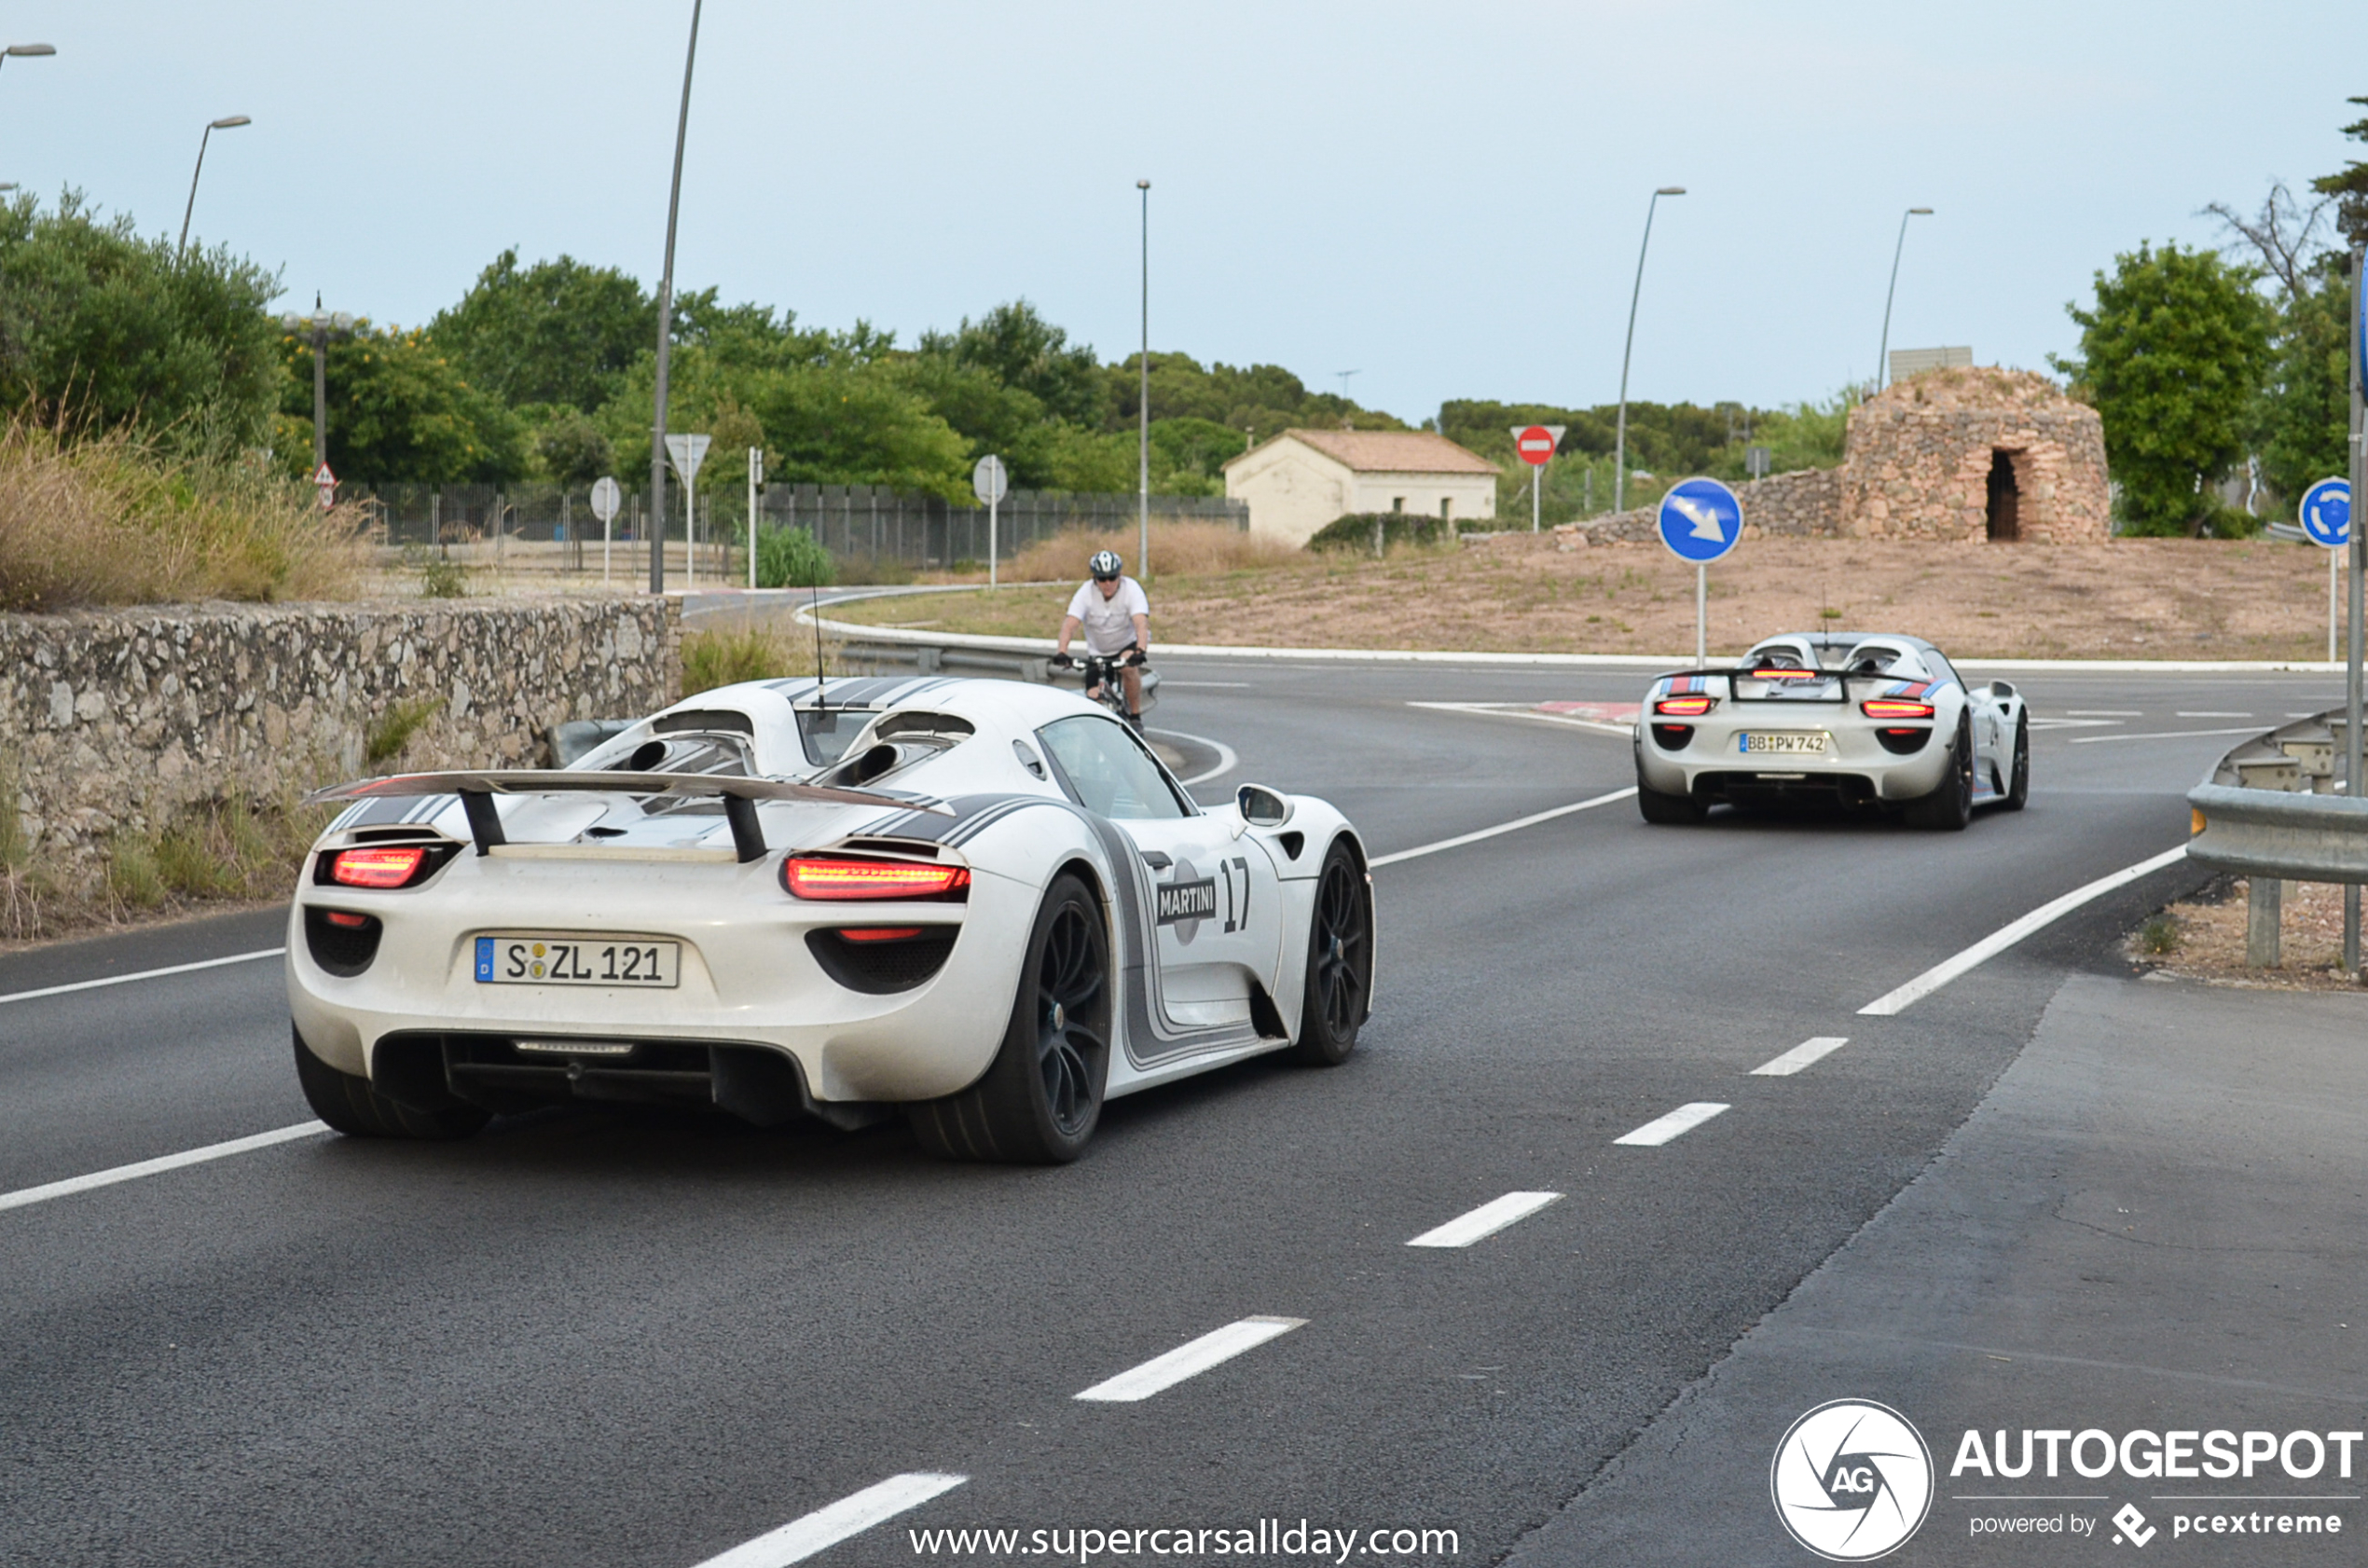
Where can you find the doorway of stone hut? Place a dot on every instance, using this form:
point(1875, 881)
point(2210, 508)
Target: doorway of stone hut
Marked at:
point(2005, 521)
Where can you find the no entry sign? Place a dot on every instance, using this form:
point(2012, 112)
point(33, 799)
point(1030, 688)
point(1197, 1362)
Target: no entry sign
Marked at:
point(1537, 443)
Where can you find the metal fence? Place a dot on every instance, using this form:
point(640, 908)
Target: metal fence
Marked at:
point(862, 522)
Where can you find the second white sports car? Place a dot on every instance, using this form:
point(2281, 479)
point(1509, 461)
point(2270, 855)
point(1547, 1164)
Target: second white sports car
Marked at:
point(984, 905)
point(1874, 721)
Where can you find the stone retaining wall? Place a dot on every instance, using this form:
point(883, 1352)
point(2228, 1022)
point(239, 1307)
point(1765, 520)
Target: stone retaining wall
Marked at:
point(1803, 502)
point(114, 721)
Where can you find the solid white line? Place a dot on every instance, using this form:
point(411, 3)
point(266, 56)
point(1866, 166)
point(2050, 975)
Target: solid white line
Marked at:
point(1190, 1360)
point(2208, 713)
point(1517, 823)
point(2160, 735)
point(144, 974)
point(2007, 936)
point(20, 1198)
point(1659, 1131)
point(1529, 715)
point(2104, 713)
point(801, 1538)
point(1801, 1055)
point(1485, 1220)
point(1226, 761)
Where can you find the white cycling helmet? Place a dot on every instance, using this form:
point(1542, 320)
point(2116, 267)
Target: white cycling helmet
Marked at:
point(1105, 565)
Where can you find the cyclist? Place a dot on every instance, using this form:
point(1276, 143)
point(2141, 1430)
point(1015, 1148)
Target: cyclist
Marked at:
point(1116, 617)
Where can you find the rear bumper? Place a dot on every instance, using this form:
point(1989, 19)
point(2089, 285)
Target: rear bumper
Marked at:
point(1857, 770)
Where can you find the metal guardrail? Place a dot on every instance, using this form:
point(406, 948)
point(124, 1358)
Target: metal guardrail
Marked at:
point(2268, 812)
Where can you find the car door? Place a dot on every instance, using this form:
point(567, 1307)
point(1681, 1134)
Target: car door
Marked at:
point(1982, 717)
point(1214, 901)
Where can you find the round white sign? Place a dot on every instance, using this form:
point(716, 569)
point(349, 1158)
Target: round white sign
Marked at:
point(990, 479)
point(606, 500)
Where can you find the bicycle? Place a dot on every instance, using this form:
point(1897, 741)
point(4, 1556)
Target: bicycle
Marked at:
point(1100, 672)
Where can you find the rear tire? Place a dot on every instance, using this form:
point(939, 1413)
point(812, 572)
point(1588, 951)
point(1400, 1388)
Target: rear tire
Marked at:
point(1949, 808)
point(1040, 1101)
point(354, 1107)
point(2019, 785)
point(1338, 992)
point(1667, 810)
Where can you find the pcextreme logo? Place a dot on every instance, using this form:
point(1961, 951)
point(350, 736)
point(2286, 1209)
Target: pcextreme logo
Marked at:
point(1851, 1480)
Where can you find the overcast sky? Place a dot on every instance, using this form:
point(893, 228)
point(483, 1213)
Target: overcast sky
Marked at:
point(1445, 199)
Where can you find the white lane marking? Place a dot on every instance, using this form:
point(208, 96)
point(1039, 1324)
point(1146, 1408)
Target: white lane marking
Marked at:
point(2104, 713)
point(1226, 761)
point(2209, 713)
point(1528, 711)
point(1208, 685)
point(1485, 1220)
point(71, 1185)
point(145, 974)
point(2039, 723)
point(1940, 974)
point(1659, 1131)
point(2160, 735)
point(1806, 1054)
point(1513, 826)
point(801, 1538)
point(1190, 1360)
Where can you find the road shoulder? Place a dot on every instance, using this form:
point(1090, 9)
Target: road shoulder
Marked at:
point(2151, 1222)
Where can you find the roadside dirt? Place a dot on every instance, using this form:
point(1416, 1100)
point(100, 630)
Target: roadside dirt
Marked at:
point(2204, 939)
point(2153, 598)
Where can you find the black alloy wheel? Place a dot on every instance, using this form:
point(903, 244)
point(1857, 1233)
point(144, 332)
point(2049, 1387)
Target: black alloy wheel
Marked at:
point(360, 1109)
point(2019, 781)
point(1950, 806)
point(1340, 963)
point(1042, 1097)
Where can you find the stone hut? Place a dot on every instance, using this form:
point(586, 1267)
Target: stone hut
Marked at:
point(1967, 453)
point(1972, 454)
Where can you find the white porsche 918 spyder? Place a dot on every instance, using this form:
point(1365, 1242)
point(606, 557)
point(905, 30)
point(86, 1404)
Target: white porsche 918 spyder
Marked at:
point(1872, 721)
point(986, 905)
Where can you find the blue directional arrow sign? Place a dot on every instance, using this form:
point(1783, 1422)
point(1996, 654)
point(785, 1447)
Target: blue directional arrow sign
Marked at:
point(1701, 520)
point(2326, 513)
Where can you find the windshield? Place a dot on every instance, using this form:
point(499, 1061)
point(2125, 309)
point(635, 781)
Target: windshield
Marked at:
point(826, 732)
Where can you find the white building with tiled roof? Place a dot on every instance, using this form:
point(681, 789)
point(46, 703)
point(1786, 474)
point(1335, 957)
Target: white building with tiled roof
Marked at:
point(1302, 479)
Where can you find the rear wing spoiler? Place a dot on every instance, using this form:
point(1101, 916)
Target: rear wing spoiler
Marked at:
point(739, 795)
point(1780, 676)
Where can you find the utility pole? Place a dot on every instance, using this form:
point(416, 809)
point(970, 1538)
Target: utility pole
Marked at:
point(2359, 554)
point(1143, 404)
point(665, 323)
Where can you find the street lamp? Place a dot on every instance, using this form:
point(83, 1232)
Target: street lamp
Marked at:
point(26, 52)
point(228, 122)
point(1883, 355)
point(666, 325)
point(319, 328)
point(1620, 439)
point(1143, 404)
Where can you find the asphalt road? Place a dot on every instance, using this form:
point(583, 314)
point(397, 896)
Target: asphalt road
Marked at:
point(594, 1337)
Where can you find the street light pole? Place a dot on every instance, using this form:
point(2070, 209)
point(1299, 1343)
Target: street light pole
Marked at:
point(229, 122)
point(1883, 355)
point(1143, 406)
point(666, 324)
point(317, 329)
point(26, 52)
point(1620, 439)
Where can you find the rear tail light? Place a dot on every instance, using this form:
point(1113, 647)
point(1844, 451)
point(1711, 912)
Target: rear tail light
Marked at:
point(881, 933)
point(1787, 675)
point(383, 866)
point(844, 877)
point(1894, 707)
point(1685, 707)
point(347, 919)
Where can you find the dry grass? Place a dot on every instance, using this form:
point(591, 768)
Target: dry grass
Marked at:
point(755, 650)
point(113, 519)
point(228, 852)
point(1177, 550)
point(2204, 939)
point(2130, 598)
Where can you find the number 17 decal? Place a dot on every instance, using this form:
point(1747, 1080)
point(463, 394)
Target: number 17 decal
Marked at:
point(1236, 918)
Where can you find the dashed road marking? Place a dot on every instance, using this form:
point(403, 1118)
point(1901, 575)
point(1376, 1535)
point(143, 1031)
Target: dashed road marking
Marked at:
point(2158, 735)
point(2210, 713)
point(1940, 974)
point(145, 974)
point(1659, 1131)
point(1519, 822)
point(801, 1538)
point(1485, 1220)
point(1190, 1360)
point(157, 1166)
point(1804, 1054)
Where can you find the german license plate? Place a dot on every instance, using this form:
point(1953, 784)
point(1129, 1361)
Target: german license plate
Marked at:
point(578, 960)
point(1783, 743)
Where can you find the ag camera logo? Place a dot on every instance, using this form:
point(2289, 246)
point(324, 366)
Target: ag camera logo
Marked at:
point(1851, 1480)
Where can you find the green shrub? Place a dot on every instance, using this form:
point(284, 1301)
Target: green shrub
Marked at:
point(721, 658)
point(1356, 531)
point(791, 558)
point(385, 739)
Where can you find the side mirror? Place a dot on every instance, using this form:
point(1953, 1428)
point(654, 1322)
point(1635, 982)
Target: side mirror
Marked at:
point(1262, 808)
point(2000, 689)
